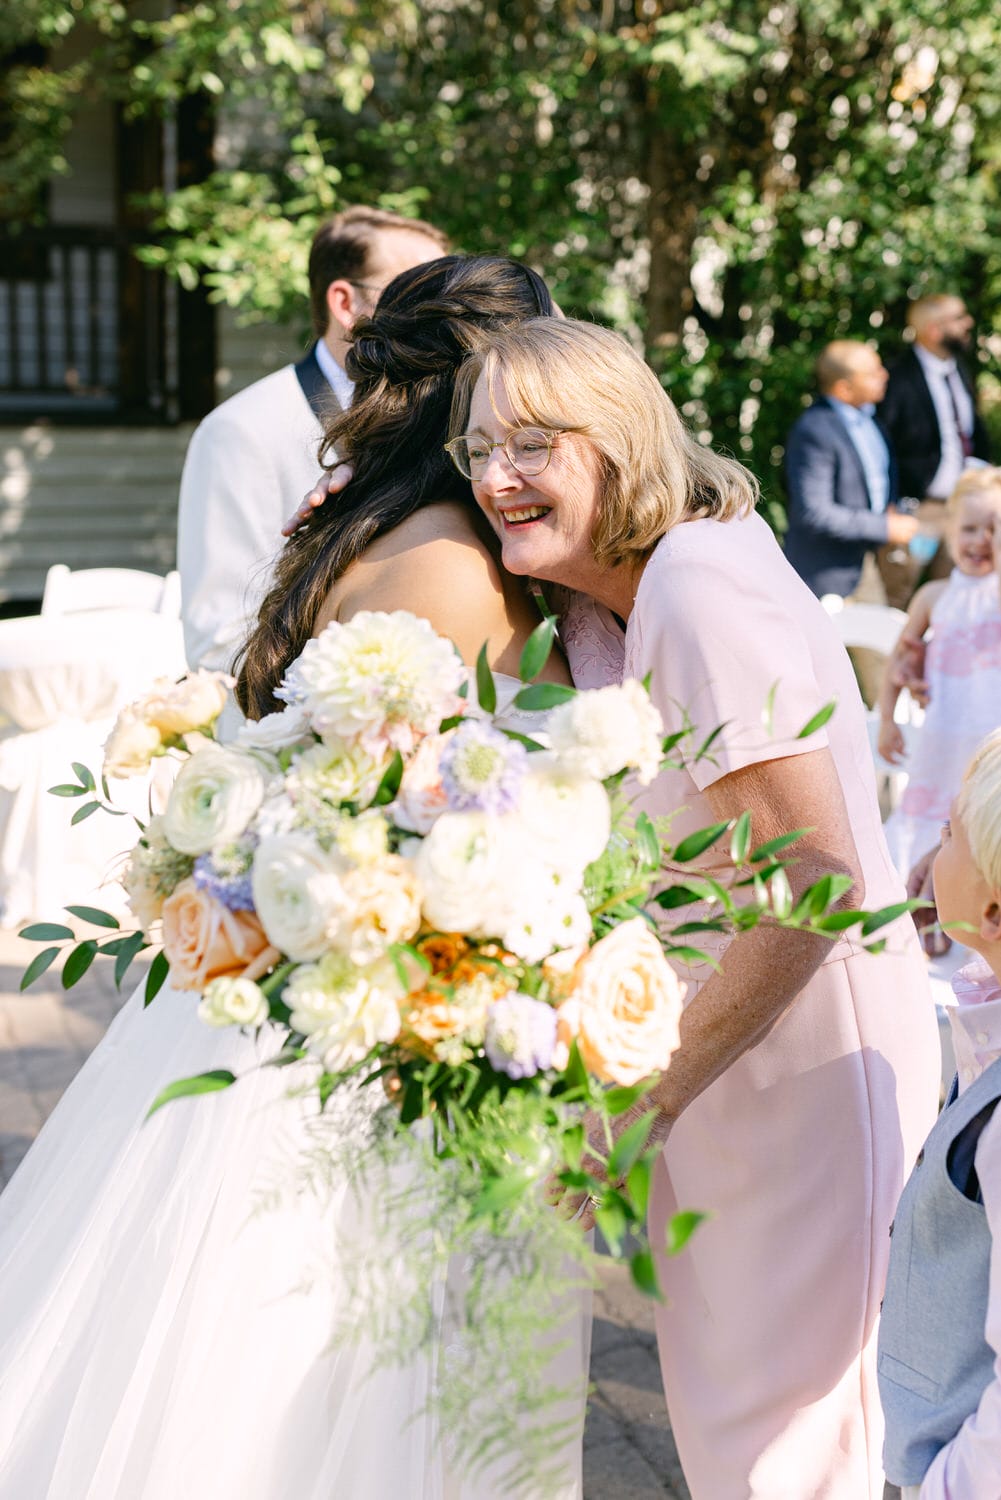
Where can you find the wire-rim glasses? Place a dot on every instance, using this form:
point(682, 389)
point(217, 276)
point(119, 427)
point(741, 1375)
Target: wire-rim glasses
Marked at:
point(527, 449)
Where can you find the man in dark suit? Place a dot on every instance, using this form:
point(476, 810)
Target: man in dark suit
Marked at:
point(841, 477)
point(930, 414)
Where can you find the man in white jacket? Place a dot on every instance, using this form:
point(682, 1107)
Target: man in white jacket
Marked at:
point(252, 459)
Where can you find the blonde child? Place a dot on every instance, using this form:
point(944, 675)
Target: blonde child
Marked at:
point(960, 619)
point(939, 1357)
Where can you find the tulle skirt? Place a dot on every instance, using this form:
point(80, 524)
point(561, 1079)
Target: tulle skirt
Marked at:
point(168, 1295)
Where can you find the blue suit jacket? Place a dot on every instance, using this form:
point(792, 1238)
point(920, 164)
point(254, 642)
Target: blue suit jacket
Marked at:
point(831, 521)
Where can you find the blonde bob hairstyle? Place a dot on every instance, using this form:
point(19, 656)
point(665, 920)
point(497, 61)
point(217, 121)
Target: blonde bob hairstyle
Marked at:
point(576, 377)
point(979, 807)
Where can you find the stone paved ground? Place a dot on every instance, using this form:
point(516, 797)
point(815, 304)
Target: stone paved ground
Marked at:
point(45, 1036)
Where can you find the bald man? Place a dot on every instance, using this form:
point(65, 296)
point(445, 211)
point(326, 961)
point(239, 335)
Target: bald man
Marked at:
point(841, 477)
point(929, 412)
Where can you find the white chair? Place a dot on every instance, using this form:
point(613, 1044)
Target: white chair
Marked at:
point(69, 592)
point(877, 627)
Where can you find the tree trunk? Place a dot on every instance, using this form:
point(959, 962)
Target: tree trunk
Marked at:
point(672, 219)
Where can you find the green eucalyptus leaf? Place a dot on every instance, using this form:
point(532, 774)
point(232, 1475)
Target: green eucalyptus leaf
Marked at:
point(611, 1219)
point(390, 783)
point(486, 689)
point(46, 932)
point(78, 961)
point(774, 846)
point(647, 840)
point(887, 914)
point(838, 921)
point(537, 649)
point(677, 895)
point(38, 966)
point(740, 841)
point(818, 721)
point(697, 843)
point(186, 1088)
point(156, 978)
point(768, 711)
point(65, 789)
point(644, 1273)
point(132, 945)
point(84, 776)
point(94, 915)
point(85, 811)
point(781, 894)
point(638, 1184)
point(623, 1096)
point(680, 1229)
point(543, 695)
point(630, 1145)
point(702, 753)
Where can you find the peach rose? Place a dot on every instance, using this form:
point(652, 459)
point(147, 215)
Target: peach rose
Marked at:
point(625, 1006)
point(203, 940)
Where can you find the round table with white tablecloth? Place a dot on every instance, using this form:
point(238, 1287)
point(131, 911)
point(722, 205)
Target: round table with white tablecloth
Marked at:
point(63, 679)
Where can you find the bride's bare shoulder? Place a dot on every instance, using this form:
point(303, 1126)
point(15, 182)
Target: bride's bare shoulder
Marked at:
point(436, 564)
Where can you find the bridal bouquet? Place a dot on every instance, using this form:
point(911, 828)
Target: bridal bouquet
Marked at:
point(448, 914)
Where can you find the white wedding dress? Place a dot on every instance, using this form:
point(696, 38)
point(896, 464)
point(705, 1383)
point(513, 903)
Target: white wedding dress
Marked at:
point(168, 1293)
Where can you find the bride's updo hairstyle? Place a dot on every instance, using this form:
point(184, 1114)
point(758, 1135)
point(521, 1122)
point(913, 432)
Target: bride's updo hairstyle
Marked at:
point(576, 377)
point(403, 360)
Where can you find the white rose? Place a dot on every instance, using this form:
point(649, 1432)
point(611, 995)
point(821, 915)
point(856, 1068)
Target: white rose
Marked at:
point(363, 839)
point(215, 796)
point(298, 891)
point(469, 867)
point(233, 1002)
point(274, 732)
point(344, 1010)
point(566, 816)
point(333, 772)
point(131, 745)
point(193, 703)
point(600, 732)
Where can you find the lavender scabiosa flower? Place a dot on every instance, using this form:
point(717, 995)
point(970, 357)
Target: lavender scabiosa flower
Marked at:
point(481, 769)
point(521, 1036)
point(226, 874)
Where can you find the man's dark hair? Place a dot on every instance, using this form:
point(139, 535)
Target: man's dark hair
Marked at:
point(342, 246)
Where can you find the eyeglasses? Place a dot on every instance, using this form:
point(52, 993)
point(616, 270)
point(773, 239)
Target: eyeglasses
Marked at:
point(527, 449)
point(368, 286)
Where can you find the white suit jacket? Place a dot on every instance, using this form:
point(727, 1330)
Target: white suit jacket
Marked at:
point(248, 466)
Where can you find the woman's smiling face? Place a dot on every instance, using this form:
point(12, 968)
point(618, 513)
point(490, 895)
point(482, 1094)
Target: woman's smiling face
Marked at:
point(545, 521)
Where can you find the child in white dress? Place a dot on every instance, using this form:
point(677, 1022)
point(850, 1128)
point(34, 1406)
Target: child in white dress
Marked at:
point(960, 618)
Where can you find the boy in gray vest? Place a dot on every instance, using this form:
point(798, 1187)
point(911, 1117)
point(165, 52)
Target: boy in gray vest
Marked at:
point(940, 1332)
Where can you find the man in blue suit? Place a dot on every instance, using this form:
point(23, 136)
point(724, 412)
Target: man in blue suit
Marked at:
point(841, 477)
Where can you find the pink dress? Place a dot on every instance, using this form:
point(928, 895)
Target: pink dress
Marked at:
point(963, 670)
point(800, 1149)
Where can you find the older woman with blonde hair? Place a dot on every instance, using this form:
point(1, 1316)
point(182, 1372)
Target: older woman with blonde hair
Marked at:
point(808, 1070)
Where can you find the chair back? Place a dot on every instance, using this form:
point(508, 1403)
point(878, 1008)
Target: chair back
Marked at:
point(875, 626)
point(68, 593)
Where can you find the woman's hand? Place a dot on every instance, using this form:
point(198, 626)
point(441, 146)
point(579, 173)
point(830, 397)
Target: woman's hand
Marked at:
point(934, 941)
point(891, 742)
point(327, 484)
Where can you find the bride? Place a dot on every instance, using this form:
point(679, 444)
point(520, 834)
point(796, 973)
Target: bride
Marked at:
point(166, 1301)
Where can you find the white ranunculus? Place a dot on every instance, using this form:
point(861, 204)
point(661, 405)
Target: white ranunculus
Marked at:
point(608, 729)
point(215, 796)
point(193, 703)
point(333, 772)
point(566, 816)
point(381, 679)
point(233, 1002)
point(469, 867)
point(298, 891)
point(131, 745)
point(344, 1010)
point(550, 916)
point(280, 731)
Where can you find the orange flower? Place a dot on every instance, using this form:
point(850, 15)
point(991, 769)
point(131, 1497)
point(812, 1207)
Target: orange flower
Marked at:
point(203, 940)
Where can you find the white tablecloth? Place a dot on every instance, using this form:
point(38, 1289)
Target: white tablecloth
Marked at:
point(63, 679)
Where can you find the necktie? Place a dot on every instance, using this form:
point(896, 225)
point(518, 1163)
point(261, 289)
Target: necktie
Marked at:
point(965, 438)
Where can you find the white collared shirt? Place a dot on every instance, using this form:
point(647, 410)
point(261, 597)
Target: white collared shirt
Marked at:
point(870, 445)
point(342, 387)
point(942, 377)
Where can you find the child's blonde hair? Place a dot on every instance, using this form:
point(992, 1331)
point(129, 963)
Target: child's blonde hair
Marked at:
point(983, 480)
point(979, 806)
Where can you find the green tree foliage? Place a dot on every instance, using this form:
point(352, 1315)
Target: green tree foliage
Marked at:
point(731, 183)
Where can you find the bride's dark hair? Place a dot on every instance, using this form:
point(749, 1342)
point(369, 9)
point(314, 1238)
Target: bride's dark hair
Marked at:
point(403, 360)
